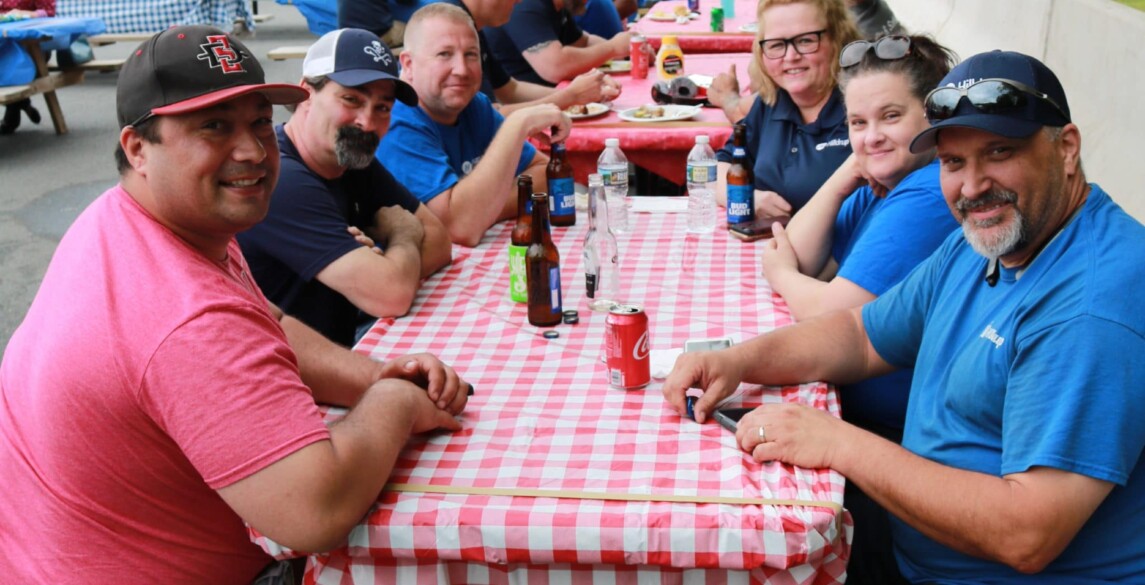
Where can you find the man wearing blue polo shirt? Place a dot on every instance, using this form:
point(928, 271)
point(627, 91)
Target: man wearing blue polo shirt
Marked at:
point(1021, 456)
point(453, 151)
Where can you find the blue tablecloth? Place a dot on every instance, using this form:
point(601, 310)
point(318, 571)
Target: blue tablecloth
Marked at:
point(16, 66)
point(149, 16)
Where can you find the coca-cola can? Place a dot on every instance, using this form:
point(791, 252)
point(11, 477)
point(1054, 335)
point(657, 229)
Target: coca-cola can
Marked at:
point(626, 347)
point(639, 57)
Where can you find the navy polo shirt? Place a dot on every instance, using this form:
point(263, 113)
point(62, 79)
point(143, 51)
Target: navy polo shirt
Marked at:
point(533, 22)
point(792, 158)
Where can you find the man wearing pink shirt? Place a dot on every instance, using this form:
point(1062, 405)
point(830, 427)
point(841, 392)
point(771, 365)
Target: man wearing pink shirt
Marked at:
point(154, 402)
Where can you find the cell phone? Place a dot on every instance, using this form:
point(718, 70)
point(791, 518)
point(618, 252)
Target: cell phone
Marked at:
point(707, 344)
point(729, 417)
point(750, 231)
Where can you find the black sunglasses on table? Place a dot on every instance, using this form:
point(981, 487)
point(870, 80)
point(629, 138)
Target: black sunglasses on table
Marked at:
point(803, 44)
point(887, 48)
point(989, 96)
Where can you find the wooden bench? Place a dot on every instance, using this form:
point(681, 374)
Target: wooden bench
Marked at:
point(97, 65)
point(291, 52)
point(108, 39)
point(47, 85)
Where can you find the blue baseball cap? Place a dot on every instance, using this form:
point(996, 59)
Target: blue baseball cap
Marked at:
point(1012, 121)
point(354, 57)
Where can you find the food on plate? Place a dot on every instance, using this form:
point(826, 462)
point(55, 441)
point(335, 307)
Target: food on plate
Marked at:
point(577, 110)
point(681, 11)
point(648, 112)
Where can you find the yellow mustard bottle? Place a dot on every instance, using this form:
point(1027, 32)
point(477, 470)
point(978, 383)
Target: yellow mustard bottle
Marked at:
point(670, 59)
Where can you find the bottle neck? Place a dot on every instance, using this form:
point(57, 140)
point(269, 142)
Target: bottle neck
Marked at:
point(540, 219)
point(524, 197)
point(600, 222)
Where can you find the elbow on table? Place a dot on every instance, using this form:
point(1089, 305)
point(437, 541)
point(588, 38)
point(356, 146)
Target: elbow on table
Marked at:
point(468, 236)
point(1029, 553)
point(395, 302)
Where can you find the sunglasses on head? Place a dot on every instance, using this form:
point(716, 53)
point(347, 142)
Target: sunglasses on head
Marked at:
point(886, 48)
point(989, 96)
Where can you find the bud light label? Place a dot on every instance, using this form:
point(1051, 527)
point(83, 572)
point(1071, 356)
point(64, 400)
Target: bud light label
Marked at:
point(741, 203)
point(563, 196)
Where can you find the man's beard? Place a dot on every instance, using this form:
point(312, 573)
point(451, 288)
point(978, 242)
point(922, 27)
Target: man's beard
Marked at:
point(1012, 235)
point(355, 147)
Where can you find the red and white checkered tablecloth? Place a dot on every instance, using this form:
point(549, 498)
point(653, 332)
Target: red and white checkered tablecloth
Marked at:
point(544, 418)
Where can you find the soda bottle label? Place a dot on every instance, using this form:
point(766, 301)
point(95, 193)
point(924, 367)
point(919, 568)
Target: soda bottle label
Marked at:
point(518, 275)
point(704, 173)
point(555, 288)
point(563, 196)
point(741, 203)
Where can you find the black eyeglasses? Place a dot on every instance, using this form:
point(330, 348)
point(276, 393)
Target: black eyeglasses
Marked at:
point(990, 96)
point(803, 44)
point(886, 48)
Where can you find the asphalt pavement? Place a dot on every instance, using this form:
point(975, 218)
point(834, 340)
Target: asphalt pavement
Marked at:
point(46, 180)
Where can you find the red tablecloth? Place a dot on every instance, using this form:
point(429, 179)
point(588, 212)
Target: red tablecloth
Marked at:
point(696, 35)
point(659, 147)
point(544, 418)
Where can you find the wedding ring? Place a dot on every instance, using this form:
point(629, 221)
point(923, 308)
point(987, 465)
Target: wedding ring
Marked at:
point(762, 435)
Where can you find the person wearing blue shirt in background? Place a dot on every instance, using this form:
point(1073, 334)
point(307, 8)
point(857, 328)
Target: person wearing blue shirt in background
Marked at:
point(1021, 459)
point(796, 129)
point(453, 151)
point(874, 220)
point(542, 43)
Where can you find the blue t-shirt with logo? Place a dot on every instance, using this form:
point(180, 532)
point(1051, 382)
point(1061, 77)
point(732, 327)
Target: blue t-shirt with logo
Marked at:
point(789, 157)
point(430, 158)
point(1043, 369)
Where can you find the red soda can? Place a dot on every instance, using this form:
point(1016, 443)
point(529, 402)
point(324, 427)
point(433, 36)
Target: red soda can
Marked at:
point(639, 57)
point(626, 347)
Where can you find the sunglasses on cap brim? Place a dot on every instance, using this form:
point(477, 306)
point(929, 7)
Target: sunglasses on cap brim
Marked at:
point(887, 48)
point(989, 96)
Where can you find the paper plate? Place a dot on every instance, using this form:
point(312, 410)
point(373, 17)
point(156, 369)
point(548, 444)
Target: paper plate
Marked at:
point(618, 66)
point(594, 110)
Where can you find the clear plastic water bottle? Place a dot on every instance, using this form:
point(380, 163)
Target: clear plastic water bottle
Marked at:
point(601, 254)
point(701, 175)
point(613, 168)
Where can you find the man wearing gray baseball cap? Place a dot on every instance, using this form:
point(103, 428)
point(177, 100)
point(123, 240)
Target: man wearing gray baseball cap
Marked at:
point(315, 255)
point(154, 401)
point(1021, 460)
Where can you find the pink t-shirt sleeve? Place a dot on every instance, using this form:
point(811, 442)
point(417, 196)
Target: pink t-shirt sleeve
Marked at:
point(233, 405)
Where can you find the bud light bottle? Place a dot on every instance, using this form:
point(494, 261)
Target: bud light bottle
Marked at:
point(740, 180)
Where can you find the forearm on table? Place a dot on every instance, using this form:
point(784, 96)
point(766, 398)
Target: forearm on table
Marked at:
point(570, 61)
point(833, 347)
point(334, 374)
point(520, 94)
point(436, 249)
point(1023, 520)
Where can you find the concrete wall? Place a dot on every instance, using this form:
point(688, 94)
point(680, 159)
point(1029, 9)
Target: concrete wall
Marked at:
point(1097, 50)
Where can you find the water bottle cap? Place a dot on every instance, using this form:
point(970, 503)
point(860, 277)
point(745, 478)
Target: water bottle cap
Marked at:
point(611, 142)
point(702, 139)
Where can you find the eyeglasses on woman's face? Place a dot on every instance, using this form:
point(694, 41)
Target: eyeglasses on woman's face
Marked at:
point(803, 44)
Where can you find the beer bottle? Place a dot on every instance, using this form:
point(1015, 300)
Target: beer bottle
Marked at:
point(520, 239)
point(740, 180)
point(562, 197)
point(543, 268)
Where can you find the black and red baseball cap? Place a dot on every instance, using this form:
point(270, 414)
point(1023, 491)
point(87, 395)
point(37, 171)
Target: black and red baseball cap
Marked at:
point(188, 68)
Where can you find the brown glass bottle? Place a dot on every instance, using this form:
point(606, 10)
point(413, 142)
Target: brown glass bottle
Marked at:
point(520, 239)
point(543, 268)
point(562, 194)
point(740, 180)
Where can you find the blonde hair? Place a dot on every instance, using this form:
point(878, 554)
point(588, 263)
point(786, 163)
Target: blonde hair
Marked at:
point(442, 10)
point(841, 29)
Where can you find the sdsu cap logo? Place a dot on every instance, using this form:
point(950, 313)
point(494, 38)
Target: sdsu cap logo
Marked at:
point(217, 52)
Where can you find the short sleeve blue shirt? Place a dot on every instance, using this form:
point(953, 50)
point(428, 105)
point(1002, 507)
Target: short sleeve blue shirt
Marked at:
point(533, 22)
point(430, 158)
point(790, 157)
point(877, 241)
point(1044, 369)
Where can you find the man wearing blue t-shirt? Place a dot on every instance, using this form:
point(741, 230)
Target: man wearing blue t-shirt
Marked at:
point(1020, 460)
point(453, 151)
point(314, 254)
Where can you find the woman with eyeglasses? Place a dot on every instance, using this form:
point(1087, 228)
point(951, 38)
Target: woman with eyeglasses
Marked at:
point(796, 131)
point(879, 215)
